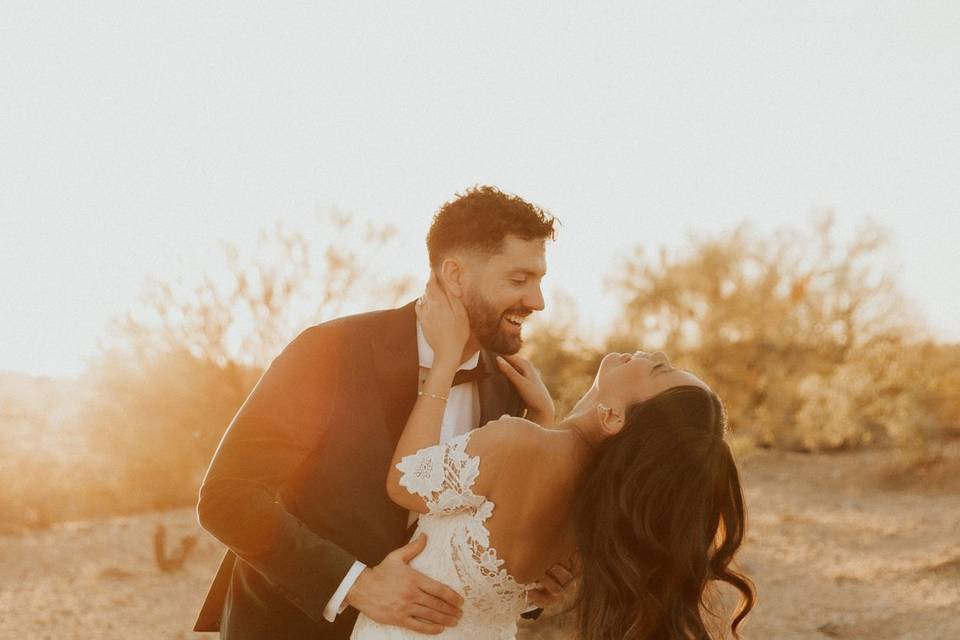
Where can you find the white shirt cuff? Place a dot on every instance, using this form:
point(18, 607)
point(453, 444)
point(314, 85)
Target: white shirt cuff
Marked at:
point(336, 604)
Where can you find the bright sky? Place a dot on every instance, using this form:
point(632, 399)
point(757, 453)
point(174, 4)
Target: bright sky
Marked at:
point(134, 137)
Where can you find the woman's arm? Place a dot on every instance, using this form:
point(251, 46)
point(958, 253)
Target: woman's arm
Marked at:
point(445, 325)
point(421, 431)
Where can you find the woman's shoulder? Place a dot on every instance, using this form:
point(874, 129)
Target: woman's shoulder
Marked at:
point(508, 437)
point(505, 447)
point(517, 447)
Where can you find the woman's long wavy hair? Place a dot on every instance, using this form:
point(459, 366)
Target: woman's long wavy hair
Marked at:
point(659, 517)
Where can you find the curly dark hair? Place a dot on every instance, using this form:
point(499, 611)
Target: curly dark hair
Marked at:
point(480, 218)
point(658, 518)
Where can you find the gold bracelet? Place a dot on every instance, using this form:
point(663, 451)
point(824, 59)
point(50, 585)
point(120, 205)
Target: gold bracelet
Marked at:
point(432, 395)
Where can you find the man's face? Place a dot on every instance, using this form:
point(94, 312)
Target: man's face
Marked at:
point(502, 290)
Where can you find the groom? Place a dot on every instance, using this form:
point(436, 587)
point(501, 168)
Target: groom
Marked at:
point(296, 488)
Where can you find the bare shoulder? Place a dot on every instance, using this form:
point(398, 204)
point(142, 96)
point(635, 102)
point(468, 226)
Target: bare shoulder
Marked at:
point(511, 449)
point(507, 438)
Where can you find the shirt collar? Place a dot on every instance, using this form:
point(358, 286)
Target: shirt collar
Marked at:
point(425, 352)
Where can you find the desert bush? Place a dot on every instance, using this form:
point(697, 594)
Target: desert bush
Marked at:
point(939, 377)
point(805, 337)
point(875, 395)
point(174, 370)
point(181, 364)
point(248, 306)
point(40, 451)
point(156, 423)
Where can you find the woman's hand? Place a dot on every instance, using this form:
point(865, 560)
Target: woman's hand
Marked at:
point(557, 584)
point(526, 378)
point(444, 321)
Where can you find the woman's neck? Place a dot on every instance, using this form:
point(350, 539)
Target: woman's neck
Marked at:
point(581, 434)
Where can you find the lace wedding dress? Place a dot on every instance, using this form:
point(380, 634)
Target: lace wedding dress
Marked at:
point(458, 551)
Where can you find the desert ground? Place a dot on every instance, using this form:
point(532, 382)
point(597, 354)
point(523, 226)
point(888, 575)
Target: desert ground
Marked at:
point(839, 546)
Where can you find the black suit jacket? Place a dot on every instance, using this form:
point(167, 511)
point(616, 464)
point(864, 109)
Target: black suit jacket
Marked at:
point(296, 489)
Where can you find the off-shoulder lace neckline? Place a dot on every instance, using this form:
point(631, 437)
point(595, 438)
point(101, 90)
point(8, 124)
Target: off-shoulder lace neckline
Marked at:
point(483, 513)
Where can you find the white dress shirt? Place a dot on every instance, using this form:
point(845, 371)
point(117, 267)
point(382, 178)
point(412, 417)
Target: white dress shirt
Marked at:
point(461, 414)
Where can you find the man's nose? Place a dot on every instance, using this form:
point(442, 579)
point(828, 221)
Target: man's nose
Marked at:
point(534, 299)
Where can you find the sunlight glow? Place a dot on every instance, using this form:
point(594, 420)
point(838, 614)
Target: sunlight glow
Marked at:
point(133, 145)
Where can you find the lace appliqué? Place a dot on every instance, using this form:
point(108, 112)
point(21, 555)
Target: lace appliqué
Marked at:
point(443, 475)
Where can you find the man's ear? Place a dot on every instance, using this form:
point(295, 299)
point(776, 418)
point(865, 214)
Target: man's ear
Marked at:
point(450, 275)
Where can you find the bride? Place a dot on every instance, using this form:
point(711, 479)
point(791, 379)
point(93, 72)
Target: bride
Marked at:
point(638, 482)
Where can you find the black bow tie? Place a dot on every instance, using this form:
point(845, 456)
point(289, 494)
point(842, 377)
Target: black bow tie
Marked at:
point(463, 376)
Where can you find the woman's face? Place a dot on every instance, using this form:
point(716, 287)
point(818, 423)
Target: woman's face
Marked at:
point(626, 378)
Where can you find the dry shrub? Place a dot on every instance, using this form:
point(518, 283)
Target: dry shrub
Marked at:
point(804, 336)
point(876, 393)
point(176, 368)
point(155, 426)
point(184, 361)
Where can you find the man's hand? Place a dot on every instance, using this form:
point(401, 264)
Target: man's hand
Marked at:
point(525, 377)
point(392, 593)
point(554, 583)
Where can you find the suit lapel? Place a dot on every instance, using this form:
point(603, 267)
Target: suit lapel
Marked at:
point(497, 395)
point(397, 364)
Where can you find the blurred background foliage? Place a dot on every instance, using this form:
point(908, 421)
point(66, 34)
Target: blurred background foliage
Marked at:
point(805, 337)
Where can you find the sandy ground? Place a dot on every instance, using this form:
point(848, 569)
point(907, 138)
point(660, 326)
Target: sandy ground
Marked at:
point(835, 551)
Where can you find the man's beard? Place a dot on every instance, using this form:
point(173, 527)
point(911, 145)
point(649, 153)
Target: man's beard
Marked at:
point(485, 322)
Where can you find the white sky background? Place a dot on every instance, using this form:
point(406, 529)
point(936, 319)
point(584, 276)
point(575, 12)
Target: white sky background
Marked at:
point(132, 139)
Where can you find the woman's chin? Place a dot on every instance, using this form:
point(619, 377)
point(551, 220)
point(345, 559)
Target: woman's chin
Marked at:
point(610, 357)
point(586, 401)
